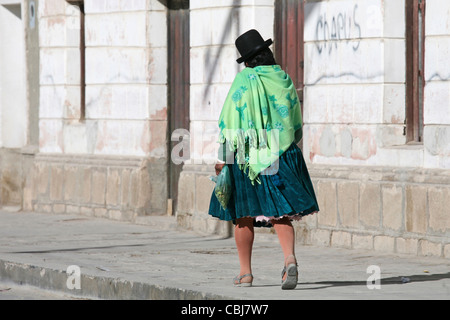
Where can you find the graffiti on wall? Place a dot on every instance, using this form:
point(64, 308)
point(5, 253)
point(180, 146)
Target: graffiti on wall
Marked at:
point(344, 48)
point(340, 39)
point(341, 26)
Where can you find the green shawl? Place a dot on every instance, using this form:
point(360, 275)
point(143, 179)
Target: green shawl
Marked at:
point(261, 117)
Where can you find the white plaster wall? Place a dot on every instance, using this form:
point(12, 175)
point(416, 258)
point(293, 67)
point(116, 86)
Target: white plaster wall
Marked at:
point(437, 89)
point(13, 92)
point(126, 78)
point(1, 81)
point(214, 26)
point(354, 107)
point(59, 75)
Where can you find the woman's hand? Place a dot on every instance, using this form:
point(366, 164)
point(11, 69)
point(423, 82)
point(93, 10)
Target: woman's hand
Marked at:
point(219, 167)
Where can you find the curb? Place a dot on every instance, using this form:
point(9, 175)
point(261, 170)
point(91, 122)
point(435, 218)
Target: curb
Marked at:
point(96, 287)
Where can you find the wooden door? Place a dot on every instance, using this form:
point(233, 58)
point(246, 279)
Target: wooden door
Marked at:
point(178, 80)
point(415, 63)
point(289, 23)
point(289, 41)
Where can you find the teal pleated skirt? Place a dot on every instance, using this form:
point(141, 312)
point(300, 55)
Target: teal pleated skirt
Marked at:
point(287, 191)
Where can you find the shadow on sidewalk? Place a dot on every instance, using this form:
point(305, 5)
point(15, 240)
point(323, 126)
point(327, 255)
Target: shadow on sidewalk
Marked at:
point(80, 249)
point(383, 281)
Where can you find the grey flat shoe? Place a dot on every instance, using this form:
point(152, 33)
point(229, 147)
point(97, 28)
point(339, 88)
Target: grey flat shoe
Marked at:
point(237, 281)
point(291, 278)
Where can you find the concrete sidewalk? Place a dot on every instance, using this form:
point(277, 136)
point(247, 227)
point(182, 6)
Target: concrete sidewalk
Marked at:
point(154, 260)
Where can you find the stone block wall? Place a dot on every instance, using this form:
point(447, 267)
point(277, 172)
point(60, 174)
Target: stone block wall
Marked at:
point(194, 194)
point(378, 208)
point(399, 211)
point(119, 188)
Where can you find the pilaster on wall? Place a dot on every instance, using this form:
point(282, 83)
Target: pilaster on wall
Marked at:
point(19, 97)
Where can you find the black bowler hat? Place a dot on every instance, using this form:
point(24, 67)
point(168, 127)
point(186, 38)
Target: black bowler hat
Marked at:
point(250, 43)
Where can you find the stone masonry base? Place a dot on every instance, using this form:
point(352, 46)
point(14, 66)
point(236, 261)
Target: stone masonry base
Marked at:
point(395, 210)
point(119, 188)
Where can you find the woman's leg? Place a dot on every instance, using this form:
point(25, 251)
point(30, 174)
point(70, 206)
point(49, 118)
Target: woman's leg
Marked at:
point(244, 235)
point(286, 236)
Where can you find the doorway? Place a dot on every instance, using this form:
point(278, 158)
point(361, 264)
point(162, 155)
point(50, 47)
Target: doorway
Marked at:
point(179, 81)
point(289, 41)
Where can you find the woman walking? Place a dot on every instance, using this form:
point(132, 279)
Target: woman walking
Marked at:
point(260, 126)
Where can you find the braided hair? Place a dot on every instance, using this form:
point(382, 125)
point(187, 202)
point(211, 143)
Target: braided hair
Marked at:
point(263, 58)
